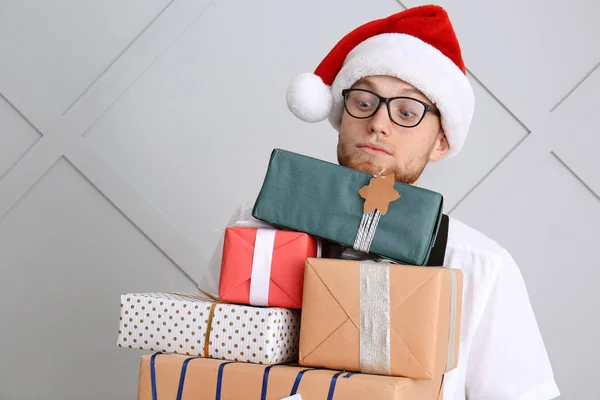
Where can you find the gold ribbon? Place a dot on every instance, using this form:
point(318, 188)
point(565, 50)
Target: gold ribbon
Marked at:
point(210, 296)
point(211, 315)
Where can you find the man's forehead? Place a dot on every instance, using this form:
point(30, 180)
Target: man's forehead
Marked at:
point(391, 85)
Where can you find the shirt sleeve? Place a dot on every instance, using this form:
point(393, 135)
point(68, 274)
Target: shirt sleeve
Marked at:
point(508, 357)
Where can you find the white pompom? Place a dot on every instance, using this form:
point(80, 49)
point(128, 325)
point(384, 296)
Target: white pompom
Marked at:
point(308, 98)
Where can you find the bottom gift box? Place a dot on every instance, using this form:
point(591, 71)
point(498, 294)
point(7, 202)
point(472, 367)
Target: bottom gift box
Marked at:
point(172, 376)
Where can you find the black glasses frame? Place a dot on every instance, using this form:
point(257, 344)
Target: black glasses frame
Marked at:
point(387, 101)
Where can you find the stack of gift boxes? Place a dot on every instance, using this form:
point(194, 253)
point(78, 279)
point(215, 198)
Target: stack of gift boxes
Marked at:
point(330, 298)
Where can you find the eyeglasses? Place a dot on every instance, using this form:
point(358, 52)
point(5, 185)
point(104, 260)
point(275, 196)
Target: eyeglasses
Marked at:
point(404, 111)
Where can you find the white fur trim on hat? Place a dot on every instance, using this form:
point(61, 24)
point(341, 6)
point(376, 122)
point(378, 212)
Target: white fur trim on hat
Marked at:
point(419, 64)
point(308, 98)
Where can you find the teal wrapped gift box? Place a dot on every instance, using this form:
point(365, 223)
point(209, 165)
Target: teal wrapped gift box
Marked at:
point(322, 199)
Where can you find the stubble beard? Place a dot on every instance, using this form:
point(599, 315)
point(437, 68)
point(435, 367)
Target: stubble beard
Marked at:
point(358, 160)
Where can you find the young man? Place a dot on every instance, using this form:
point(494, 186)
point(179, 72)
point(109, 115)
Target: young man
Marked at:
point(396, 91)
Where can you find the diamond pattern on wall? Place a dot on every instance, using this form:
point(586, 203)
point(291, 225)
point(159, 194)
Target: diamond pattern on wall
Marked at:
point(493, 135)
point(57, 49)
point(16, 136)
point(67, 255)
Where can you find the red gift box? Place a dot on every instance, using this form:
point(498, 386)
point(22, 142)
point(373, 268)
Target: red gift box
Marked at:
point(265, 266)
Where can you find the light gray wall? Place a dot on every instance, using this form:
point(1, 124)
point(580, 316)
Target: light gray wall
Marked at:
point(131, 130)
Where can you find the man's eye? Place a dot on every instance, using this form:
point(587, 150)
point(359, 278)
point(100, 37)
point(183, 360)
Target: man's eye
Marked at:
point(406, 114)
point(364, 104)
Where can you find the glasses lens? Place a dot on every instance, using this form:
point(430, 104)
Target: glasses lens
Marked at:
point(406, 112)
point(361, 104)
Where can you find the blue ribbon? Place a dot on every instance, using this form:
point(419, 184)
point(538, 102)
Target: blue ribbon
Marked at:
point(297, 381)
point(153, 375)
point(182, 377)
point(220, 380)
point(265, 383)
point(332, 386)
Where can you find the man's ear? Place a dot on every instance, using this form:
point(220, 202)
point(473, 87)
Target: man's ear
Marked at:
point(440, 148)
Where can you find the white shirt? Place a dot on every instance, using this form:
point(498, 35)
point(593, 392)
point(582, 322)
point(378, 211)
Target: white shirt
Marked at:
point(502, 355)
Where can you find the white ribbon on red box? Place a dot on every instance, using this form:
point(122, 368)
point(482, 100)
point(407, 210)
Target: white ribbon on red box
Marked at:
point(261, 266)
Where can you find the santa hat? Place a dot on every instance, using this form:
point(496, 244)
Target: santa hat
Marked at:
point(417, 45)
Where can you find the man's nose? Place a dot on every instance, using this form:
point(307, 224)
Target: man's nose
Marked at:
point(379, 122)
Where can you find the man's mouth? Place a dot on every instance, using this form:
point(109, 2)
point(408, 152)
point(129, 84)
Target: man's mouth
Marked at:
point(374, 149)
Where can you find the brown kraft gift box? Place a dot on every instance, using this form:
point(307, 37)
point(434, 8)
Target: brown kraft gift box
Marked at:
point(409, 325)
point(245, 381)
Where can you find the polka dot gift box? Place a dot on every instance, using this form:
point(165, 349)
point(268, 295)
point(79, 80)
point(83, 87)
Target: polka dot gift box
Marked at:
point(190, 324)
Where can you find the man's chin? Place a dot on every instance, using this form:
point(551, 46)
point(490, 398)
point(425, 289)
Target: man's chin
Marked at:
point(368, 166)
point(372, 167)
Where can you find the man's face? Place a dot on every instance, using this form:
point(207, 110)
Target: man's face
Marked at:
point(372, 144)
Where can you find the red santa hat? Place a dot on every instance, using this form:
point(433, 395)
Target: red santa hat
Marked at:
point(417, 45)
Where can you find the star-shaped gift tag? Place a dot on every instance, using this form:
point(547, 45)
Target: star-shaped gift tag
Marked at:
point(379, 193)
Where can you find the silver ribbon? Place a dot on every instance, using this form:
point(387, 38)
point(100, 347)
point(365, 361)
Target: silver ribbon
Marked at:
point(451, 337)
point(367, 228)
point(366, 231)
point(375, 317)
